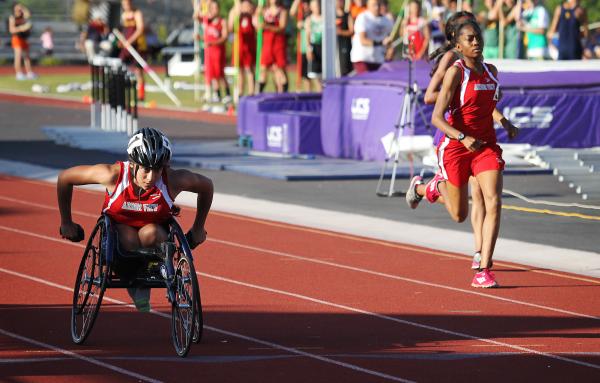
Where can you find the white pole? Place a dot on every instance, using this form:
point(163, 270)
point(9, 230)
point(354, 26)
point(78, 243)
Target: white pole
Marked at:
point(146, 67)
point(329, 39)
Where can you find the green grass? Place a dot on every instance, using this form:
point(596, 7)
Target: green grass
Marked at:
point(10, 84)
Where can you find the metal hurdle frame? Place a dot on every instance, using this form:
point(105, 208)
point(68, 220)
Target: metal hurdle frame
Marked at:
point(114, 105)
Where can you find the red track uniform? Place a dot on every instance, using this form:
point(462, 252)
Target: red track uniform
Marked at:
point(215, 54)
point(126, 207)
point(247, 42)
point(274, 50)
point(129, 26)
point(470, 112)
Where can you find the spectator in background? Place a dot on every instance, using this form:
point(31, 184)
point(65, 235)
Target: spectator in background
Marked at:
point(385, 10)
point(132, 23)
point(509, 15)
point(47, 42)
point(568, 20)
point(246, 43)
point(300, 9)
point(592, 48)
point(534, 24)
point(437, 25)
point(491, 20)
point(357, 7)
point(80, 13)
point(344, 30)
point(94, 34)
point(19, 26)
point(274, 50)
point(216, 35)
point(314, 36)
point(416, 28)
point(371, 31)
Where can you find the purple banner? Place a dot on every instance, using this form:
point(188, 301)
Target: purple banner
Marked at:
point(357, 114)
point(289, 133)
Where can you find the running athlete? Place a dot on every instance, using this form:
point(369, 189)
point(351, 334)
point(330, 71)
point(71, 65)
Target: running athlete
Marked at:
point(132, 22)
point(274, 50)
point(444, 58)
point(246, 42)
point(470, 91)
point(19, 26)
point(139, 197)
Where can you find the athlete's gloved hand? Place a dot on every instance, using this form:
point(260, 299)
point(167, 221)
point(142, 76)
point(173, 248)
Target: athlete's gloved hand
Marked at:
point(72, 231)
point(194, 239)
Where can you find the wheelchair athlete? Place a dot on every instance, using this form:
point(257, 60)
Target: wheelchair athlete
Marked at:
point(139, 198)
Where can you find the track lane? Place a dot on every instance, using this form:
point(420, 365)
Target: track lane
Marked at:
point(237, 257)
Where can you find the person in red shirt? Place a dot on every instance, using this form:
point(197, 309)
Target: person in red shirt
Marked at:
point(274, 50)
point(246, 43)
point(140, 195)
point(132, 23)
point(469, 92)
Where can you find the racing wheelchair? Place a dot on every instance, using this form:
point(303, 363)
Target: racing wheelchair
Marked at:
point(105, 265)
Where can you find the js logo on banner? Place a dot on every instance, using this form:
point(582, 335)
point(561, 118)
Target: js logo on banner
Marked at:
point(276, 135)
point(360, 108)
point(539, 117)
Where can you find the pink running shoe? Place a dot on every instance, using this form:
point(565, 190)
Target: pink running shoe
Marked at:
point(485, 279)
point(412, 198)
point(432, 193)
point(476, 261)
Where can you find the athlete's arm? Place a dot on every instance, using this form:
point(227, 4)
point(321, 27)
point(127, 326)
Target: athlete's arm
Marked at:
point(425, 47)
point(511, 130)
point(224, 34)
point(103, 174)
point(432, 91)
point(184, 180)
point(451, 82)
point(139, 27)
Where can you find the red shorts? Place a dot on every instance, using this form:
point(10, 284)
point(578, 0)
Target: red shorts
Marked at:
point(215, 65)
point(19, 42)
point(274, 51)
point(247, 56)
point(458, 164)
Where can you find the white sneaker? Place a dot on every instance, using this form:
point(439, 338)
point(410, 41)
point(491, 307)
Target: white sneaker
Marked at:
point(21, 76)
point(412, 198)
point(31, 76)
point(226, 100)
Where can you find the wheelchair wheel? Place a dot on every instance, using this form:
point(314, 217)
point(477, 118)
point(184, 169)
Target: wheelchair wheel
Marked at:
point(184, 249)
point(183, 309)
point(89, 286)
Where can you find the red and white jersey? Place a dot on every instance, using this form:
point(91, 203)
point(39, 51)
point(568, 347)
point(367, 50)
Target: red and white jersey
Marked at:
point(214, 30)
point(126, 207)
point(473, 103)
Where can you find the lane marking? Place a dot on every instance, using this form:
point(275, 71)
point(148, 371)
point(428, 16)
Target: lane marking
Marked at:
point(397, 277)
point(324, 233)
point(489, 342)
point(551, 212)
point(228, 333)
point(352, 309)
point(347, 267)
point(78, 356)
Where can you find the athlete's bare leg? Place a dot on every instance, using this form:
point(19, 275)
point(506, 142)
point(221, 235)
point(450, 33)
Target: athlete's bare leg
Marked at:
point(477, 212)
point(456, 200)
point(131, 239)
point(17, 60)
point(491, 186)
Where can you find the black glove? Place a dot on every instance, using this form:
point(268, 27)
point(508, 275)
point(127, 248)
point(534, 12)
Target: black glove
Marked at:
point(78, 238)
point(190, 240)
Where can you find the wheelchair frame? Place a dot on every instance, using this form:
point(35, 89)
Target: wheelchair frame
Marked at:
point(97, 271)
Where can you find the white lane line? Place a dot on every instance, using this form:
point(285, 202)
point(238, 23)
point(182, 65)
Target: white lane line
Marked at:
point(229, 333)
point(347, 308)
point(489, 342)
point(397, 277)
point(347, 267)
point(78, 356)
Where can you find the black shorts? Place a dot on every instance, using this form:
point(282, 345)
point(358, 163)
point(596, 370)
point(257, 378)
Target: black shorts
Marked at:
point(315, 67)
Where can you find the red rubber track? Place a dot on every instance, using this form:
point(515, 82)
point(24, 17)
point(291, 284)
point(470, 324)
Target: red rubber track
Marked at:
point(289, 303)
